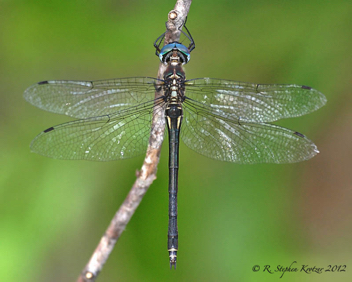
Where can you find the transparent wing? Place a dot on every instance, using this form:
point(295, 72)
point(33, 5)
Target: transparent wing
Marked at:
point(83, 99)
point(103, 138)
point(254, 102)
point(229, 139)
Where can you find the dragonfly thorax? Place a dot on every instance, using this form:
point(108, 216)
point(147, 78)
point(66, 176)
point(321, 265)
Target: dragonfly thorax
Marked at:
point(174, 78)
point(174, 72)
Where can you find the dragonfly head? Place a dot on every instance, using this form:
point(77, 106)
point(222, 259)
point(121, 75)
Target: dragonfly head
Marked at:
point(175, 51)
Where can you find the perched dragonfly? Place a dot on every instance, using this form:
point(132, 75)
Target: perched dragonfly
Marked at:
point(221, 119)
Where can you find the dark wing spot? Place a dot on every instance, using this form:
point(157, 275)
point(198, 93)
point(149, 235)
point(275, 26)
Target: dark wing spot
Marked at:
point(299, 134)
point(49, 129)
point(306, 87)
point(43, 82)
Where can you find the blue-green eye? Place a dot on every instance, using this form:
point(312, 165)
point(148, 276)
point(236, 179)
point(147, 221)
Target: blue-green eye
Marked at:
point(183, 49)
point(166, 49)
point(174, 46)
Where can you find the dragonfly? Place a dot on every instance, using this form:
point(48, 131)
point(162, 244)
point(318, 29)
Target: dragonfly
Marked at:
point(222, 119)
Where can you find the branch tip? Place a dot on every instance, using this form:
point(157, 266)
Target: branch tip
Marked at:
point(172, 15)
point(89, 275)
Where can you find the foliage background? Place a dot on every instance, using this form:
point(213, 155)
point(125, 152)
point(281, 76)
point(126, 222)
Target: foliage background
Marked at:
point(231, 217)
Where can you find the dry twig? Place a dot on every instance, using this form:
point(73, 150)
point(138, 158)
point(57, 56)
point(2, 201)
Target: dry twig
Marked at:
point(147, 174)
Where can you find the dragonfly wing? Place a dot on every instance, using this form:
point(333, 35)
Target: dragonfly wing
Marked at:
point(83, 99)
point(254, 102)
point(228, 139)
point(102, 138)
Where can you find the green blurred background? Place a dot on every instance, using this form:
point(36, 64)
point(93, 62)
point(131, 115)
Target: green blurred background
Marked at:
point(231, 217)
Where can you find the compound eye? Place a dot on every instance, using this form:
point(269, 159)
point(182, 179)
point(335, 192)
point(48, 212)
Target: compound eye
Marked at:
point(165, 50)
point(181, 49)
point(184, 50)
